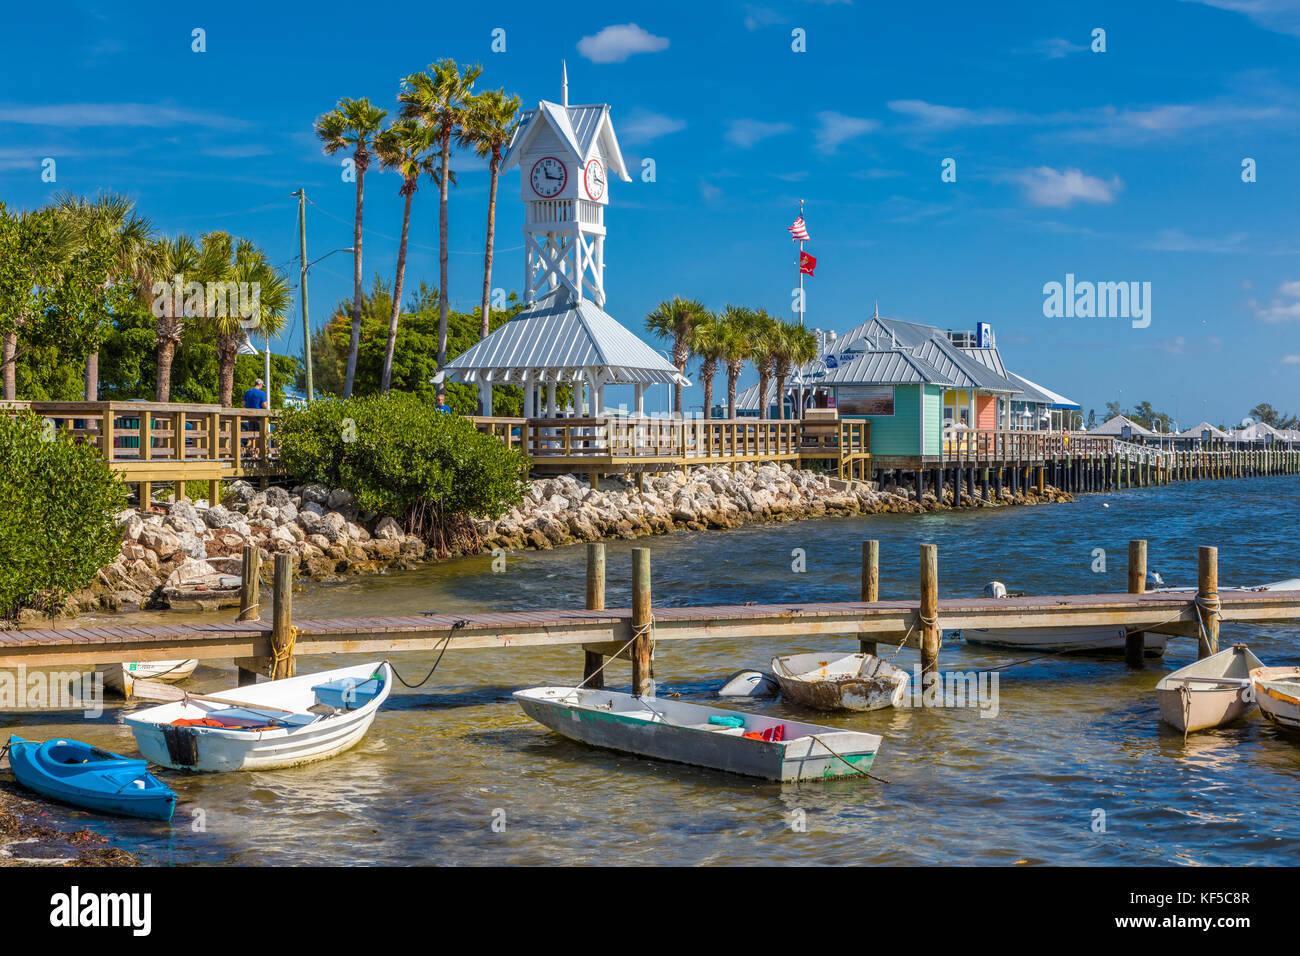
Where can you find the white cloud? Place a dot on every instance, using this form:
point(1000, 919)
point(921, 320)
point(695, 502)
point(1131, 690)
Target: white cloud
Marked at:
point(836, 129)
point(709, 192)
point(1280, 16)
point(1291, 360)
point(614, 44)
point(641, 126)
point(756, 17)
point(81, 115)
point(746, 133)
point(1291, 289)
point(1054, 48)
point(1175, 240)
point(1045, 186)
point(935, 116)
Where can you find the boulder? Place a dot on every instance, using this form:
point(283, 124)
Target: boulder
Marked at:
point(388, 529)
point(316, 494)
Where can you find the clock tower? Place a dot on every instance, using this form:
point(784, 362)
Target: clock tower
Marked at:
point(567, 155)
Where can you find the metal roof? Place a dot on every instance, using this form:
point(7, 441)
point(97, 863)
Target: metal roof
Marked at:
point(1196, 431)
point(1049, 397)
point(1115, 426)
point(885, 367)
point(561, 336)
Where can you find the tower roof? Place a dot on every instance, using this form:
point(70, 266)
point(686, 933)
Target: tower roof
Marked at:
point(581, 128)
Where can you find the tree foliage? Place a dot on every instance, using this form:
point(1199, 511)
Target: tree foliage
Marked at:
point(400, 457)
point(58, 500)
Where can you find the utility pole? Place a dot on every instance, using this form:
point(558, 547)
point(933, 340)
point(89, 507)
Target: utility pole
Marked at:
point(302, 285)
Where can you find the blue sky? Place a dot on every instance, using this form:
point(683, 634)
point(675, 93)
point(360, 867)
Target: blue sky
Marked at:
point(1117, 166)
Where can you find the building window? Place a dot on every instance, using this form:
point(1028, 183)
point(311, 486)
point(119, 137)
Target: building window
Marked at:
point(873, 400)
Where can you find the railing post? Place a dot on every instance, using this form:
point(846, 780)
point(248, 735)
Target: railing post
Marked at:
point(1134, 642)
point(642, 625)
point(1207, 601)
point(106, 433)
point(593, 678)
point(870, 588)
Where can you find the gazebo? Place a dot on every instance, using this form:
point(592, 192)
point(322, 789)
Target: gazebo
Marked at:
point(561, 340)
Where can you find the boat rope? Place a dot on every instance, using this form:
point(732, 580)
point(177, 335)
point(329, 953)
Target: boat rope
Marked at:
point(925, 622)
point(1185, 695)
point(456, 626)
point(4, 751)
point(283, 654)
point(851, 766)
point(1207, 604)
point(647, 628)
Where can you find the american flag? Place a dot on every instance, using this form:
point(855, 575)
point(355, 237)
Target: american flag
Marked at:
point(799, 231)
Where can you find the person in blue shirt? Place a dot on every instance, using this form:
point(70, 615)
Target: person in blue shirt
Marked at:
point(442, 403)
point(255, 397)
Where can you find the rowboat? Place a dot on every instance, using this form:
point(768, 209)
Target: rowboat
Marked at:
point(85, 776)
point(265, 726)
point(1278, 691)
point(845, 682)
point(122, 677)
point(750, 683)
point(769, 747)
point(1210, 692)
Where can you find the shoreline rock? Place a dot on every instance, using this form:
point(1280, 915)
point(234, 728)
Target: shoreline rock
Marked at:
point(330, 539)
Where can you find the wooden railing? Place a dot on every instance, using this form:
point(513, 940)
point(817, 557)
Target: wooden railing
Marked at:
point(623, 438)
point(963, 445)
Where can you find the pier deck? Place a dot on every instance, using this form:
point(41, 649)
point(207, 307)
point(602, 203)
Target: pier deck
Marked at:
point(883, 621)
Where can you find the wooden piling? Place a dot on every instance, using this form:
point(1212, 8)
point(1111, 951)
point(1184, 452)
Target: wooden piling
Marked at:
point(282, 630)
point(593, 677)
point(1135, 642)
point(1207, 600)
point(870, 586)
point(929, 615)
point(249, 610)
point(643, 646)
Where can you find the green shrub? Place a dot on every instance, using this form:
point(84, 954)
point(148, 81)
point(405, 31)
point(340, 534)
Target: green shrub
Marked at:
point(58, 500)
point(398, 456)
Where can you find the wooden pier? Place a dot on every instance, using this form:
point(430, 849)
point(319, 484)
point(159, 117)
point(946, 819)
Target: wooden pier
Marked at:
point(266, 647)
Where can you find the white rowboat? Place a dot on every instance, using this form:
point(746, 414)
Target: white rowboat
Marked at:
point(1210, 692)
point(265, 726)
point(840, 682)
point(681, 732)
point(1278, 691)
point(121, 677)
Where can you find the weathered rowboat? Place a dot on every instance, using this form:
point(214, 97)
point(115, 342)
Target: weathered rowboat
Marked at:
point(265, 726)
point(86, 776)
point(701, 736)
point(1277, 689)
point(840, 682)
point(121, 677)
point(1210, 692)
point(750, 683)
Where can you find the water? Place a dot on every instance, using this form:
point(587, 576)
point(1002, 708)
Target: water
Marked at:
point(1073, 736)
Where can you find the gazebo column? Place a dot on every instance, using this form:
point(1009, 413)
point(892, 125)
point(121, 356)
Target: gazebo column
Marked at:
point(640, 400)
point(485, 396)
point(530, 407)
point(552, 387)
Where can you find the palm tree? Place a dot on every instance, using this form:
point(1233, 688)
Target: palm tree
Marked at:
point(491, 124)
point(737, 323)
point(762, 352)
point(110, 219)
point(167, 260)
point(795, 345)
point(261, 306)
point(404, 146)
point(34, 247)
point(441, 100)
point(674, 319)
point(353, 125)
point(705, 342)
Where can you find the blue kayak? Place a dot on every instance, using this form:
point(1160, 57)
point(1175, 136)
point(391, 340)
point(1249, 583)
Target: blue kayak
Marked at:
point(85, 776)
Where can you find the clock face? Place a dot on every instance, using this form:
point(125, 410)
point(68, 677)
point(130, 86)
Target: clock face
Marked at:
point(593, 179)
point(548, 177)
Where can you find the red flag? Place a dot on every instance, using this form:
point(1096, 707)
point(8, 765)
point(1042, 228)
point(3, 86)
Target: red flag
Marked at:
point(807, 263)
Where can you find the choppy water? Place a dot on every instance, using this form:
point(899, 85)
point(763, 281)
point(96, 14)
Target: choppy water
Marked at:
point(1073, 736)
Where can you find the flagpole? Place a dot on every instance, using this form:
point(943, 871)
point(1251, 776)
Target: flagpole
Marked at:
point(798, 268)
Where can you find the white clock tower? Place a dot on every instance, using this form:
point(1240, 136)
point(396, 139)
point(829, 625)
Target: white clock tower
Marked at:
point(566, 155)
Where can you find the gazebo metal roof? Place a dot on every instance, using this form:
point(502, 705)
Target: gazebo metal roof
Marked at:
point(562, 337)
